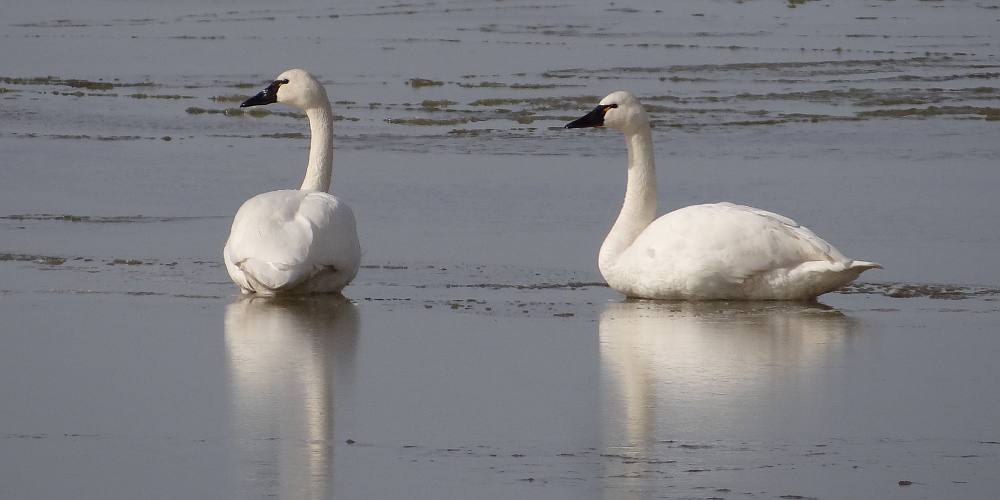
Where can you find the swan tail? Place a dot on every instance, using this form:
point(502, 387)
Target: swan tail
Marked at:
point(808, 280)
point(266, 277)
point(864, 265)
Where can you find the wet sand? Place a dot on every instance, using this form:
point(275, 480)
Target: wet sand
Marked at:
point(478, 354)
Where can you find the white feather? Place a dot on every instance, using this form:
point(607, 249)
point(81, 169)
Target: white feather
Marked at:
point(293, 240)
point(712, 251)
point(303, 240)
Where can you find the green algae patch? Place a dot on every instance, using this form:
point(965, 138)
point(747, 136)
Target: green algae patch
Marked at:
point(51, 80)
point(468, 132)
point(82, 137)
point(256, 112)
point(69, 82)
point(515, 86)
point(47, 217)
point(160, 96)
point(85, 84)
point(240, 112)
point(932, 111)
point(109, 138)
point(126, 262)
point(285, 135)
point(38, 259)
point(917, 290)
point(523, 117)
point(750, 123)
point(432, 121)
point(435, 105)
point(537, 86)
point(229, 98)
point(902, 101)
point(483, 85)
point(423, 82)
point(80, 93)
point(541, 103)
point(492, 102)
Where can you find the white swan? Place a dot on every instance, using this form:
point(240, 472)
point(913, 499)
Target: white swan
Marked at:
point(300, 240)
point(705, 252)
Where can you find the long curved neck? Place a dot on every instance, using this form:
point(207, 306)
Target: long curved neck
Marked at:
point(320, 166)
point(639, 208)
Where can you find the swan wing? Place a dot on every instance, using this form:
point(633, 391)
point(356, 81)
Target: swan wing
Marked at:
point(283, 238)
point(822, 250)
point(723, 242)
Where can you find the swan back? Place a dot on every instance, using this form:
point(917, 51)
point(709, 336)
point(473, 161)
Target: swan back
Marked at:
point(293, 241)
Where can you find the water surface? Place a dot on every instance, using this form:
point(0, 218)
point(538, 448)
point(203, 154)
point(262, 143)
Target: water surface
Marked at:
point(478, 354)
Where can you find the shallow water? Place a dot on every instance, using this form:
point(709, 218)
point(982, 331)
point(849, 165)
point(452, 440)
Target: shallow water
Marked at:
point(478, 354)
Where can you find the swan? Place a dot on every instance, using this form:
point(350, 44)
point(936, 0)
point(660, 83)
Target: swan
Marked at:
point(296, 241)
point(717, 251)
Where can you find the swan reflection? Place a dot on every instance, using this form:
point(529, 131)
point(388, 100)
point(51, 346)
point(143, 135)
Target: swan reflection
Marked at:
point(704, 371)
point(284, 354)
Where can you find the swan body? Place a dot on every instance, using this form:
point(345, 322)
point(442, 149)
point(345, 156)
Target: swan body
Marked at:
point(296, 241)
point(718, 251)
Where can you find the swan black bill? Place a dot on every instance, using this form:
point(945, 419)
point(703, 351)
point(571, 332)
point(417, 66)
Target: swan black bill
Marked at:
point(266, 96)
point(260, 99)
point(593, 119)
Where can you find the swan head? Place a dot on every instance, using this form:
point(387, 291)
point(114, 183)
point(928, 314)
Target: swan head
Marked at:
point(619, 110)
point(295, 87)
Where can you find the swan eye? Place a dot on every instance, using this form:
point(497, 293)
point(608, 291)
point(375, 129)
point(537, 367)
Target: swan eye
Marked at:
point(606, 107)
point(273, 87)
